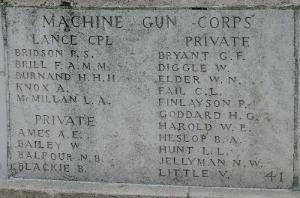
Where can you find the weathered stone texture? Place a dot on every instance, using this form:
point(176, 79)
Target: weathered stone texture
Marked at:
point(63, 189)
point(155, 3)
point(32, 3)
point(185, 3)
point(126, 101)
point(121, 139)
point(3, 109)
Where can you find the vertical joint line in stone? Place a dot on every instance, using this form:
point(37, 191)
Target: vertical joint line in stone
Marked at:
point(4, 33)
point(3, 39)
point(296, 46)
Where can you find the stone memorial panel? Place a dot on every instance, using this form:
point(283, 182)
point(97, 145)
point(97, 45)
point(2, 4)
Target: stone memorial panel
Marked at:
point(162, 96)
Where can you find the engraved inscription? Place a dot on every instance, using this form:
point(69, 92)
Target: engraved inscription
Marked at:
point(174, 97)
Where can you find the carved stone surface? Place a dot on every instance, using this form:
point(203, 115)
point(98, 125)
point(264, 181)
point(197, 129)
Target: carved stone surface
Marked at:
point(62, 189)
point(3, 110)
point(153, 3)
point(180, 97)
